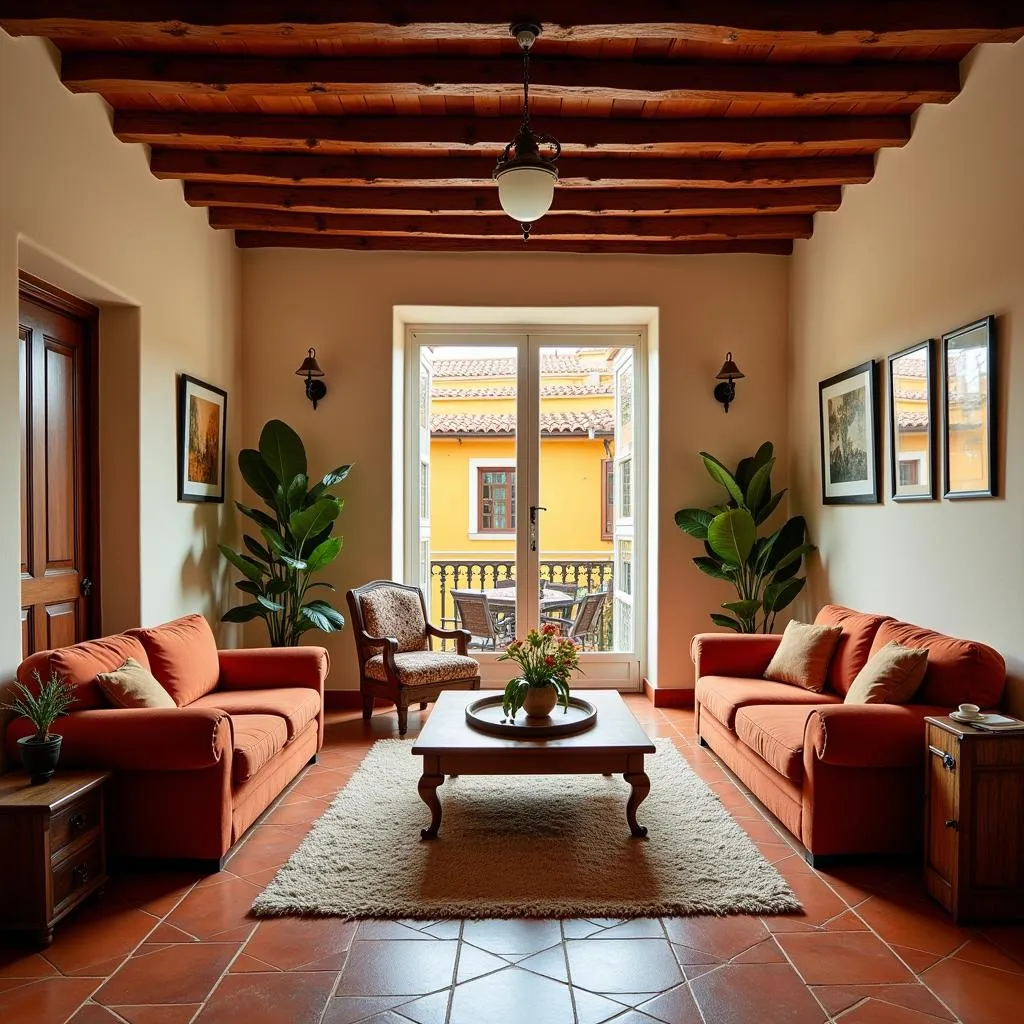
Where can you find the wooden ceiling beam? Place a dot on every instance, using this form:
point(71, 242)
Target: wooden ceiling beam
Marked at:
point(298, 240)
point(309, 133)
point(575, 171)
point(484, 201)
point(122, 73)
point(735, 22)
point(550, 226)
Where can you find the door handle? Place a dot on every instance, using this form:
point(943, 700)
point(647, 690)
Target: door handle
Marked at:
point(534, 509)
point(86, 587)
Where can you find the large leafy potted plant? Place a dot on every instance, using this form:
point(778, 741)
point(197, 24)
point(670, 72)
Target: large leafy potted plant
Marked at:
point(40, 752)
point(545, 660)
point(294, 542)
point(762, 569)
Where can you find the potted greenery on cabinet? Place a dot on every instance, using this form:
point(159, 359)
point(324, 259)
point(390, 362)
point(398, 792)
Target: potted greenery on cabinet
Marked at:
point(762, 569)
point(40, 752)
point(294, 542)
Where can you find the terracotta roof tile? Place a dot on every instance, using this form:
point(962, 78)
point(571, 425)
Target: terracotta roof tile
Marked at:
point(546, 391)
point(911, 421)
point(602, 421)
point(506, 367)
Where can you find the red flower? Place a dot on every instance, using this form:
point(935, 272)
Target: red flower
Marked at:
point(548, 629)
point(549, 660)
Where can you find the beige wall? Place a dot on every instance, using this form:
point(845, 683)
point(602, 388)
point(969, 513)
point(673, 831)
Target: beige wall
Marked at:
point(342, 303)
point(81, 209)
point(935, 241)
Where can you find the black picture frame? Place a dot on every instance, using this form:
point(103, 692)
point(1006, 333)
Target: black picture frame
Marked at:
point(848, 427)
point(969, 357)
point(914, 362)
point(202, 412)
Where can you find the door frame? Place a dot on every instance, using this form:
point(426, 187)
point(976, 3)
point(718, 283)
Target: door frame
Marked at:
point(521, 336)
point(45, 294)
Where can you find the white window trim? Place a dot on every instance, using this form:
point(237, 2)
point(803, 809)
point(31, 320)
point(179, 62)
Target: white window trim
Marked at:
point(475, 465)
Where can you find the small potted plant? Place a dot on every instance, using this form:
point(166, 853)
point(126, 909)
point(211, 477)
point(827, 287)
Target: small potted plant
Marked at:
point(39, 752)
point(545, 659)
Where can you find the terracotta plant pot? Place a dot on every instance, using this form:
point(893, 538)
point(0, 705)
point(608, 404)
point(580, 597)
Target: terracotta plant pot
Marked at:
point(39, 757)
point(540, 701)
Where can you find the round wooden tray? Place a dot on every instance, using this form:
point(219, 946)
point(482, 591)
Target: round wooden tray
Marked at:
point(487, 716)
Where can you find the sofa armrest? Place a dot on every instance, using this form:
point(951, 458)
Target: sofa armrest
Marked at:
point(139, 739)
point(273, 668)
point(868, 735)
point(745, 655)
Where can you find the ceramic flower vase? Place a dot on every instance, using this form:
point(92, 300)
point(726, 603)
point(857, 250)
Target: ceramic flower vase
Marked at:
point(540, 701)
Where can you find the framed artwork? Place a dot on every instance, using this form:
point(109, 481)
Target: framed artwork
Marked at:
point(969, 414)
point(912, 423)
point(202, 426)
point(848, 414)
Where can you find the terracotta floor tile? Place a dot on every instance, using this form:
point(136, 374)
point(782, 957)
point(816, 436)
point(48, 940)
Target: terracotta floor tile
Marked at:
point(512, 996)
point(1009, 938)
point(349, 1009)
point(383, 968)
point(156, 891)
point(302, 812)
point(268, 998)
point(20, 961)
point(243, 964)
point(874, 1012)
point(205, 912)
point(269, 846)
point(843, 958)
point(847, 921)
point(978, 951)
point(180, 973)
point(916, 959)
point(978, 995)
point(765, 993)
point(836, 998)
point(767, 952)
point(723, 937)
point(820, 903)
point(93, 1013)
point(622, 965)
point(676, 1006)
point(290, 942)
point(178, 1013)
point(45, 1001)
point(913, 920)
point(520, 936)
point(99, 932)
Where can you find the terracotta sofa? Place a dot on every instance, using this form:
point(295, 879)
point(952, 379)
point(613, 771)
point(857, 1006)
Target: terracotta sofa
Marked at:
point(843, 778)
point(188, 781)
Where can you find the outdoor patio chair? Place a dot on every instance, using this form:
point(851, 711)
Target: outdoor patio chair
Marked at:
point(505, 583)
point(489, 629)
point(394, 644)
point(571, 589)
point(585, 627)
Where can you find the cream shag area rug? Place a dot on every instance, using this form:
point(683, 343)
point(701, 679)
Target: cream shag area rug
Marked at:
point(524, 846)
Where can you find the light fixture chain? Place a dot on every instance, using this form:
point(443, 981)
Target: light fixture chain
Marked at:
point(526, 87)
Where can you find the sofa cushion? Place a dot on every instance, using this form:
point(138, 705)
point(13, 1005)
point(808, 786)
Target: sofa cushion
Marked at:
point(854, 647)
point(182, 656)
point(132, 686)
point(803, 655)
point(257, 738)
point(959, 671)
point(297, 706)
point(419, 668)
point(776, 734)
point(891, 676)
point(80, 664)
point(722, 696)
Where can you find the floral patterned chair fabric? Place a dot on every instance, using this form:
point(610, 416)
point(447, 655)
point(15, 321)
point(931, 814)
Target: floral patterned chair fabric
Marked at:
point(394, 643)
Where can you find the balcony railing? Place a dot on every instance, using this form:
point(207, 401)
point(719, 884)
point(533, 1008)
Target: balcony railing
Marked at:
point(483, 574)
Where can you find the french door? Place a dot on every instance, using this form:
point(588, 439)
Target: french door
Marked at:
point(526, 485)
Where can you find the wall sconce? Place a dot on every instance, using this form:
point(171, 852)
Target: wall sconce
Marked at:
point(728, 375)
point(310, 369)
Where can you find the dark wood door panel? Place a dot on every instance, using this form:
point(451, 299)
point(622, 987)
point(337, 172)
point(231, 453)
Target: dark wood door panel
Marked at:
point(24, 378)
point(27, 631)
point(63, 456)
point(62, 624)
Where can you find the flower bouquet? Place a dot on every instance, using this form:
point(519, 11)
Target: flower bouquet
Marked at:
point(545, 660)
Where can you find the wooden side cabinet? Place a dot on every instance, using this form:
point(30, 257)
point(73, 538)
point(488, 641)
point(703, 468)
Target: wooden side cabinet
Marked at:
point(974, 821)
point(53, 851)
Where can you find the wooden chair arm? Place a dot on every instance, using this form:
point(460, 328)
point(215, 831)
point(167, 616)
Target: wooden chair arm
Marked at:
point(460, 636)
point(389, 648)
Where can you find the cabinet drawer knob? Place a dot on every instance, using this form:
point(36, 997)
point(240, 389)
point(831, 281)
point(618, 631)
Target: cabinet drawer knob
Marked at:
point(948, 760)
point(81, 873)
point(952, 823)
point(76, 821)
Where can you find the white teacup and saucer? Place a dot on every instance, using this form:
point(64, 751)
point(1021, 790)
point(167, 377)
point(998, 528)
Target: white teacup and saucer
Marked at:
point(967, 713)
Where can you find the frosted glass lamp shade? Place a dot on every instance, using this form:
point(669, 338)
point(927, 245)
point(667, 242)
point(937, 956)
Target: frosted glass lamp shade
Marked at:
point(526, 193)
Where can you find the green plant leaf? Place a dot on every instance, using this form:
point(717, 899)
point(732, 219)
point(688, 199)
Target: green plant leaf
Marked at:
point(763, 454)
point(270, 605)
point(323, 616)
point(694, 521)
point(322, 583)
point(788, 537)
point(295, 495)
point(759, 486)
point(282, 450)
point(246, 566)
point(720, 474)
point(256, 473)
point(793, 558)
point(275, 587)
point(744, 471)
point(712, 567)
point(257, 515)
point(294, 563)
point(248, 587)
point(312, 520)
point(324, 554)
point(727, 622)
point(778, 595)
point(743, 609)
point(257, 549)
point(275, 542)
point(244, 613)
point(763, 513)
point(335, 476)
point(732, 535)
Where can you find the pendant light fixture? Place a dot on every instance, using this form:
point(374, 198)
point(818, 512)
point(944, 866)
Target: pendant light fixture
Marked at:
point(526, 179)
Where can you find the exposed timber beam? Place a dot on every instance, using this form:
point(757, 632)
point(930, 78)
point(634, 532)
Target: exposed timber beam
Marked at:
point(578, 171)
point(296, 132)
point(735, 22)
point(298, 240)
point(206, 74)
point(553, 225)
point(484, 201)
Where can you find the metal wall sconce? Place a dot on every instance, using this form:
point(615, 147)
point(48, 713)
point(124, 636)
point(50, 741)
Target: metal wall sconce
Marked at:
point(728, 375)
point(310, 369)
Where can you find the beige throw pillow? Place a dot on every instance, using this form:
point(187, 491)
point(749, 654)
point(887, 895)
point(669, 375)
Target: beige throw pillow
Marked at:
point(891, 676)
point(803, 655)
point(131, 686)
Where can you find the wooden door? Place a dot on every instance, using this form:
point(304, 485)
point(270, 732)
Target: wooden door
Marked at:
point(56, 338)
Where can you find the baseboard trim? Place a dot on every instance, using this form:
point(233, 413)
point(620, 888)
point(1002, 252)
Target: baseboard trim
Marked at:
point(350, 700)
point(668, 697)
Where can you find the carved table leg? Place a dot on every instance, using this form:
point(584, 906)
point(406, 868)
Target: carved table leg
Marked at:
point(428, 794)
point(640, 786)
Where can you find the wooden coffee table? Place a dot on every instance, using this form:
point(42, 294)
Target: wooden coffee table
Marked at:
point(450, 746)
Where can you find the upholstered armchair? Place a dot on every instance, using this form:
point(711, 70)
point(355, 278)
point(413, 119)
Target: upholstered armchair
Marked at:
point(394, 644)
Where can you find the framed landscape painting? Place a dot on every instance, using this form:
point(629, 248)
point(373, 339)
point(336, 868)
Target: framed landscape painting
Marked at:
point(969, 415)
point(847, 409)
point(202, 426)
point(912, 423)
